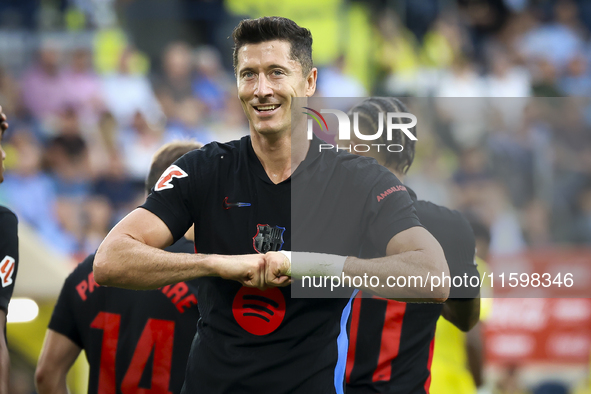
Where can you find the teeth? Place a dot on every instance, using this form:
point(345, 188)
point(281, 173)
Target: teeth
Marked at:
point(266, 107)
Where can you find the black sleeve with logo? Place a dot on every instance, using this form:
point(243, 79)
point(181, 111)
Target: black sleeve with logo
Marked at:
point(174, 197)
point(133, 339)
point(8, 255)
point(390, 210)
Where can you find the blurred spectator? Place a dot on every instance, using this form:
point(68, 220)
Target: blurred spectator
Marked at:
point(506, 79)
point(127, 92)
point(9, 92)
point(577, 79)
point(102, 144)
point(188, 122)
point(97, 222)
point(544, 79)
point(483, 19)
point(116, 187)
point(67, 158)
point(84, 90)
point(174, 85)
point(233, 125)
point(462, 81)
point(582, 222)
point(212, 82)
point(536, 224)
point(556, 42)
point(335, 83)
point(138, 145)
point(44, 86)
point(32, 195)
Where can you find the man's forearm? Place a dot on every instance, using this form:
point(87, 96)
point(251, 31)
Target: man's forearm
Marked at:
point(415, 266)
point(125, 262)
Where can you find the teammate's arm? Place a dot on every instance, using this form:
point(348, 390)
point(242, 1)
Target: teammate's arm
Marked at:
point(131, 257)
point(475, 353)
point(56, 359)
point(462, 313)
point(412, 252)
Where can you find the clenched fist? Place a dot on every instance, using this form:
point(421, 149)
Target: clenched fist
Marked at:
point(256, 270)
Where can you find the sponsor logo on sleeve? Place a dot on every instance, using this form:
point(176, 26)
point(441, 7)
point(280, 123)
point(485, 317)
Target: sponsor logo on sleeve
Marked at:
point(7, 270)
point(165, 180)
point(391, 190)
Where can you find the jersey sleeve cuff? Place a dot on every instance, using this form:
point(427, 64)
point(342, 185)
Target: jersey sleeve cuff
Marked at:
point(172, 222)
point(395, 228)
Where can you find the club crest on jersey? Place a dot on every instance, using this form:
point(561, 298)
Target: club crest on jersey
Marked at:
point(6, 270)
point(268, 238)
point(165, 180)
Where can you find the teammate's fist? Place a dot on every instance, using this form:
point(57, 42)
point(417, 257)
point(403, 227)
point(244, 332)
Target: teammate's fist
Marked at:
point(278, 269)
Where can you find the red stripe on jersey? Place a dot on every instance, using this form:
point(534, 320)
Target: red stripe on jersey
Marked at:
point(390, 343)
point(428, 381)
point(356, 309)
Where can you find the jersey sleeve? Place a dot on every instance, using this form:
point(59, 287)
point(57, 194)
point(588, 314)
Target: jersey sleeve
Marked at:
point(172, 198)
point(8, 255)
point(390, 211)
point(454, 234)
point(64, 317)
point(460, 255)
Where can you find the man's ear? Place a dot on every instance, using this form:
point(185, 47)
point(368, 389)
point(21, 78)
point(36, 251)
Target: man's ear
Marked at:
point(311, 82)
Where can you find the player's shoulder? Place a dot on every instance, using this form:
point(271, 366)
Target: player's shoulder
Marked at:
point(437, 217)
point(7, 214)
point(359, 168)
point(215, 149)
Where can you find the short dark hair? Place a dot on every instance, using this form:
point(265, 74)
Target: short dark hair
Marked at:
point(165, 156)
point(368, 120)
point(268, 28)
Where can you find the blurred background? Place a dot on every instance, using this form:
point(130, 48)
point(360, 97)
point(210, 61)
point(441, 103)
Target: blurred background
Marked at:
point(93, 87)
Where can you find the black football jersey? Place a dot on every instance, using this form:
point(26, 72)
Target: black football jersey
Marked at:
point(251, 341)
point(133, 339)
point(8, 255)
point(391, 343)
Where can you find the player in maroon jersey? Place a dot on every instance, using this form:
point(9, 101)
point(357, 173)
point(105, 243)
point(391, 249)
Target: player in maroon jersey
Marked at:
point(134, 340)
point(8, 266)
point(391, 343)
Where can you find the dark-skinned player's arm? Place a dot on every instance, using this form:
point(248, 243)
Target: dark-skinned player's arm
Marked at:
point(131, 256)
point(464, 314)
point(4, 357)
point(412, 252)
point(57, 357)
point(475, 354)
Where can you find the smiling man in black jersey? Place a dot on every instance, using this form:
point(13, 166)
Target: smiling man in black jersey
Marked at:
point(253, 337)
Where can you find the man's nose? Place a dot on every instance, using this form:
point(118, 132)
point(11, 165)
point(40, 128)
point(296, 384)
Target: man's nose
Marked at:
point(263, 87)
